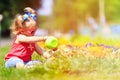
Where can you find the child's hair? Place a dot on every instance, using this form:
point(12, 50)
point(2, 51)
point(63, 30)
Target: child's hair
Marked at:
point(18, 21)
point(28, 9)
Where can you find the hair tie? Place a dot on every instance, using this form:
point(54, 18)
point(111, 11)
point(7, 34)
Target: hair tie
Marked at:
point(28, 14)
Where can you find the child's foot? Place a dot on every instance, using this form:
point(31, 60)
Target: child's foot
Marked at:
point(29, 66)
point(20, 65)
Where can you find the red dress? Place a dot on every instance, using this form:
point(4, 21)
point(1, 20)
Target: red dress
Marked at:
point(23, 51)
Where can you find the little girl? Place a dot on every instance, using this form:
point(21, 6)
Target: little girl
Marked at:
point(24, 27)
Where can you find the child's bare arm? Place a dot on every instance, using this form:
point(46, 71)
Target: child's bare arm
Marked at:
point(23, 38)
point(38, 49)
point(41, 51)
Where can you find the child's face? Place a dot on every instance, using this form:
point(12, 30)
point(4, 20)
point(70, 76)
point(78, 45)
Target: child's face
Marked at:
point(29, 31)
point(30, 27)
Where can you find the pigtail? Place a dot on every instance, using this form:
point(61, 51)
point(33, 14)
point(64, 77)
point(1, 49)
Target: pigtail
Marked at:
point(17, 23)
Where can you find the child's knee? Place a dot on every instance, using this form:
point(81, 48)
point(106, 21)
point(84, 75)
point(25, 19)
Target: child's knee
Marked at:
point(12, 62)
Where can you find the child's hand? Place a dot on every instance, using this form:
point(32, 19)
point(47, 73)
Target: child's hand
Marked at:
point(44, 38)
point(46, 55)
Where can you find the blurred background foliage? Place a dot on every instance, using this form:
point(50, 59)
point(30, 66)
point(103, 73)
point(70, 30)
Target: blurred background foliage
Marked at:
point(70, 13)
point(67, 14)
point(9, 8)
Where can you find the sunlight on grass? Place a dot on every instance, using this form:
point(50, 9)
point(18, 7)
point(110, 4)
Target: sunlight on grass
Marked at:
point(72, 61)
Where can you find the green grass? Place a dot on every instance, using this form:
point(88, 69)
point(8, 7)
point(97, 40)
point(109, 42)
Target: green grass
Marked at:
point(66, 68)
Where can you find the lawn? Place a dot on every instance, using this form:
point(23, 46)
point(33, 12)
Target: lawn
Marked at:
point(79, 58)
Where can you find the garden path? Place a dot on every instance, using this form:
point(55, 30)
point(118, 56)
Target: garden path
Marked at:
point(5, 41)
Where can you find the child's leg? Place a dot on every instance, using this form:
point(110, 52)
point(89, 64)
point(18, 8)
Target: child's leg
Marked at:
point(32, 63)
point(13, 62)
